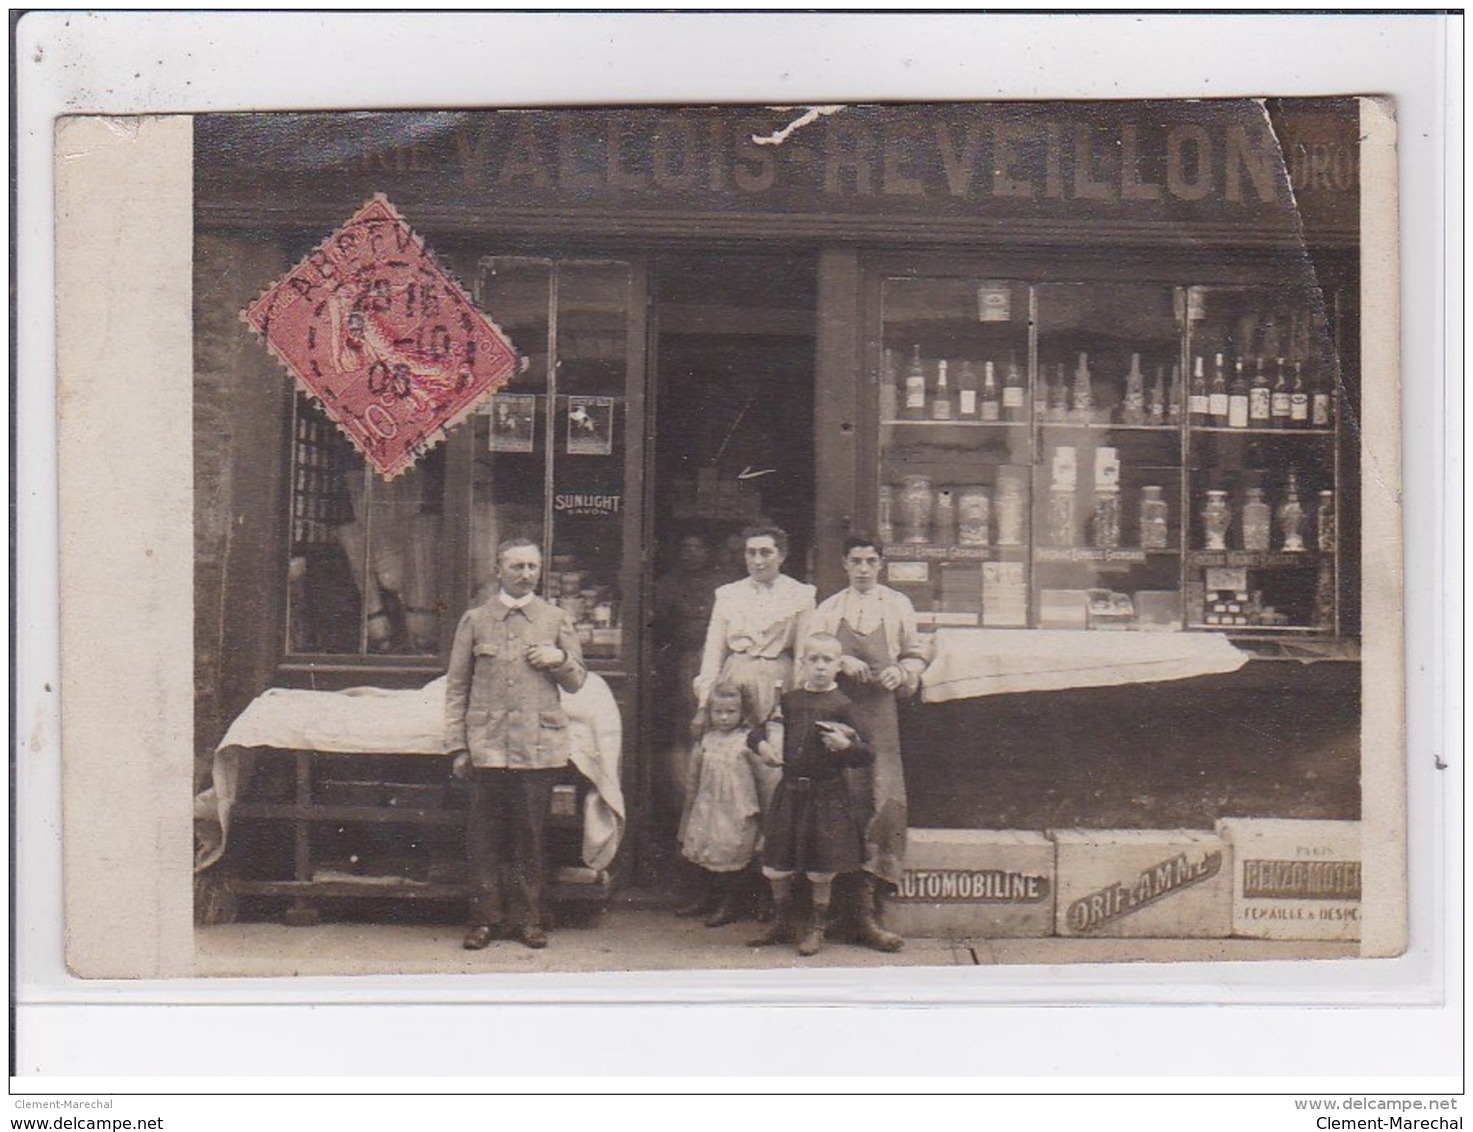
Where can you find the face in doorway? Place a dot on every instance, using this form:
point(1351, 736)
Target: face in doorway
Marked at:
point(862, 564)
point(518, 569)
point(693, 554)
point(764, 559)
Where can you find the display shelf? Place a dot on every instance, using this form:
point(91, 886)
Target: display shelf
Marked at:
point(1096, 426)
point(1102, 472)
point(966, 423)
point(1230, 431)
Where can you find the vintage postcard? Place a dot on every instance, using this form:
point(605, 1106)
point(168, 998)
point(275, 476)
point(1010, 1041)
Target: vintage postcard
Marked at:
point(676, 538)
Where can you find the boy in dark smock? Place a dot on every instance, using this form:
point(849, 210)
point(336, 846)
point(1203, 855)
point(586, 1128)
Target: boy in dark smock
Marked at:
point(812, 826)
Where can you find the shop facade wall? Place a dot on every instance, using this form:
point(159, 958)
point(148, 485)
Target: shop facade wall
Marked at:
point(241, 420)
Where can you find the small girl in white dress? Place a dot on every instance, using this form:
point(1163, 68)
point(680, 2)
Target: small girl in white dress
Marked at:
point(722, 818)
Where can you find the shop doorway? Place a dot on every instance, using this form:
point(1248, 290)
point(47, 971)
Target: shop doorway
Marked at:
point(733, 361)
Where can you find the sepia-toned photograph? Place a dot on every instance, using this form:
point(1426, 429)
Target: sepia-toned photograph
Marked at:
point(691, 537)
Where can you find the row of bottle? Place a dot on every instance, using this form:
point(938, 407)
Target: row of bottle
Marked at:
point(1257, 520)
point(1288, 400)
point(955, 515)
point(965, 515)
point(958, 393)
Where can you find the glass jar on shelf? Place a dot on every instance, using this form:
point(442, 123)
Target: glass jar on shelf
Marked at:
point(973, 511)
point(1105, 520)
point(917, 501)
point(1153, 518)
point(1325, 533)
point(1256, 521)
point(1217, 517)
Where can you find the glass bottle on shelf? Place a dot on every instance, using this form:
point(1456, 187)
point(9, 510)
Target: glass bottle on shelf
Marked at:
point(889, 397)
point(1157, 409)
point(991, 402)
point(885, 515)
point(1133, 404)
point(966, 392)
point(1238, 398)
point(1291, 516)
point(1260, 399)
point(942, 408)
point(1298, 399)
point(1153, 518)
point(916, 503)
point(1058, 396)
point(1173, 395)
point(1014, 401)
point(1200, 403)
point(1217, 397)
point(1325, 533)
point(1217, 517)
point(1279, 402)
point(915, 387)
point(1322, 407)
point(1256, 521)
point(973, 507)
point(1083, 395)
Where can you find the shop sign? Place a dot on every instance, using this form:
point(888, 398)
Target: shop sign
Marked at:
point(1222, 162)
point(992, 886)
point(384, 339)
point(588, 504)
point(1120, 899)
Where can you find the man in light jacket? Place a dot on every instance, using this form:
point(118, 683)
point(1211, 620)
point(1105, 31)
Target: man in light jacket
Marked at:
point(507, 730)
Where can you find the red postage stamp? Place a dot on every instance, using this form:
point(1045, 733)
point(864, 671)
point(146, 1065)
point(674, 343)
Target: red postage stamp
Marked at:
point(386, 340)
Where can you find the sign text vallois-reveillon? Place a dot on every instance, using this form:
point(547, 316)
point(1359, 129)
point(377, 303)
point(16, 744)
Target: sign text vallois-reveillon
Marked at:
point(1219, 156)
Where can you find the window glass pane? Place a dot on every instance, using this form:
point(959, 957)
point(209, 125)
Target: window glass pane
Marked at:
point(955, 412)
point(509, 434)
point(1108, 481)
point(588, 501)
point(365, 573)
point(1264, 483)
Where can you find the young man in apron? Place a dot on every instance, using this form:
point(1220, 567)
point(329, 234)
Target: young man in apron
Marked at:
point(883, 657)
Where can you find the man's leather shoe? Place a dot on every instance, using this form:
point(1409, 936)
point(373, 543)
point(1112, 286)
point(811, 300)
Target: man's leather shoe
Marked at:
point(532, 936)
point(479, 937)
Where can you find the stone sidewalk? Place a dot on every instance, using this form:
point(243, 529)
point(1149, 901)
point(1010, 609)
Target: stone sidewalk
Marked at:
point(644, 939)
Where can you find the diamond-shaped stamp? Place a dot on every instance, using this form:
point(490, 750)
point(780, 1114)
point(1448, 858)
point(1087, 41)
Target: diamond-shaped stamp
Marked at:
point(383, 337)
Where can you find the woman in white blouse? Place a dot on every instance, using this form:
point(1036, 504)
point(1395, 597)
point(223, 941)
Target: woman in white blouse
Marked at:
point(755, 628)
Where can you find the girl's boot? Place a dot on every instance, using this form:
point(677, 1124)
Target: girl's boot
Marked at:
point(704, 898)
point(728, 905)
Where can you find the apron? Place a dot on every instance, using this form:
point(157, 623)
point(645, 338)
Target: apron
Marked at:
point(878, 790)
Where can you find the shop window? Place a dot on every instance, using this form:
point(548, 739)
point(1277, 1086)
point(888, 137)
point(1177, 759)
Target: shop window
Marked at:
point(366, 565)
point(548, 459)
point(375, 568)
point(1113, 456)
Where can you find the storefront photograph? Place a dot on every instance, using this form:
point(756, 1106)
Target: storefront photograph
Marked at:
point(878, 534)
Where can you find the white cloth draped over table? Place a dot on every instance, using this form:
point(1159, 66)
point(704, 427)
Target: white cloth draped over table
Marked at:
point(996, 662)
point(405, 722)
